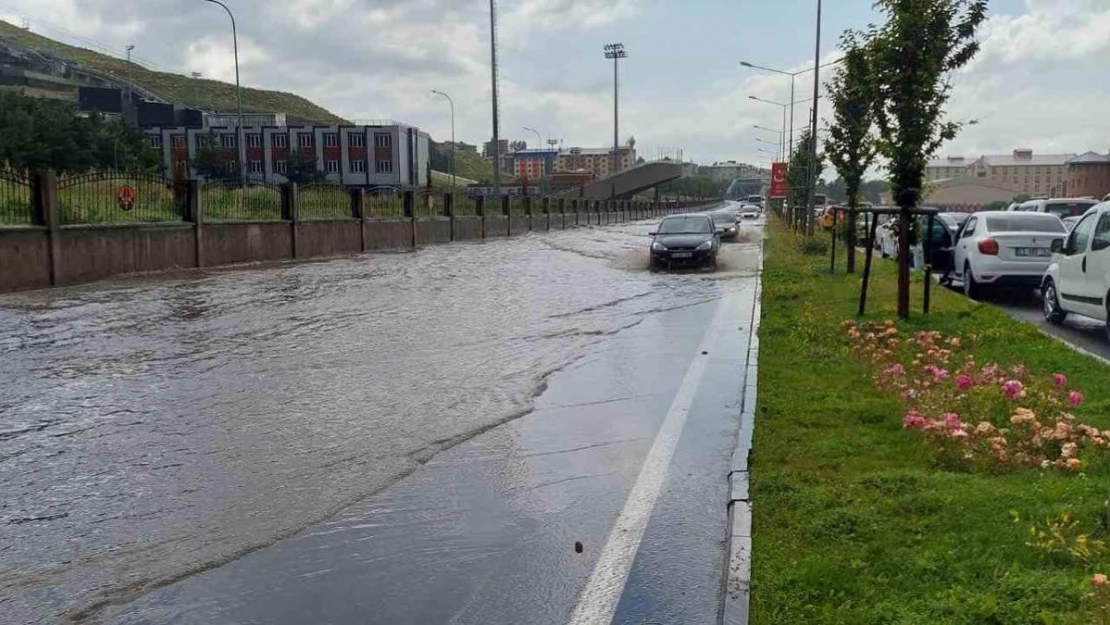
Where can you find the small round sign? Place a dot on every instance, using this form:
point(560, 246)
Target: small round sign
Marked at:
point(125, 197)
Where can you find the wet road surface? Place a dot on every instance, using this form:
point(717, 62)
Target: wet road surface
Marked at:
point(285, 441)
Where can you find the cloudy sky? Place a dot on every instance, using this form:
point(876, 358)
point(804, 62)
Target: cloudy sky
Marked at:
point(1037, 83)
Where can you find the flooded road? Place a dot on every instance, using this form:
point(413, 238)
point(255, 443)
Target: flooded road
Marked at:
point(151, 429)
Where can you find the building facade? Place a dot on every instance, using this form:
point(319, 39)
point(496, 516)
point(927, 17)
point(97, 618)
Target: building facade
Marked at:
point(1022, 170)
point(596, 161)
point(534, 164)
point(367, 156)
point(1089, 175)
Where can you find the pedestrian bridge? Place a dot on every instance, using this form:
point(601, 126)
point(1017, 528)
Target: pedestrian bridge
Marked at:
point(629, 182)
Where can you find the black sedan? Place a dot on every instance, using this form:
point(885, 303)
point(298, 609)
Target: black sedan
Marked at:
point(685, 241)
point(725, 221)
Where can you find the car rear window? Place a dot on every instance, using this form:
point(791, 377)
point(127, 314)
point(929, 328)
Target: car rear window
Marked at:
point(1068, 209)
point(685, 225)
point(1024, 222)
point(723, 218)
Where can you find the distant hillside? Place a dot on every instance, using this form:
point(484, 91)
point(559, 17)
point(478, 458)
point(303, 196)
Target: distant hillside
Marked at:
point(201, 93)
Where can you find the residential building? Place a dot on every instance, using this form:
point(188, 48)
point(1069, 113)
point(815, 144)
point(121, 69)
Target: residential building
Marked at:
point(597, 161)
point(394, 155)
point(1022, 170)
point(534, 164)
point(689, 169)
point(731, 170)
point(967, 193)
point(1089, 175)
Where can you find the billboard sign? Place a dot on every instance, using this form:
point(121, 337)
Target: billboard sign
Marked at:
point(779, 186)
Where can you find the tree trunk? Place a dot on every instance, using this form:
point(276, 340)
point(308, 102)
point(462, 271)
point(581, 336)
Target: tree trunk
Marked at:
point(904, 263)
point(850, 227)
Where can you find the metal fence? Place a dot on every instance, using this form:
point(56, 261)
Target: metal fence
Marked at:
point(518, 205)
point(119, 197)
point(15, 199)
point(427, 203)
point(384, 202)
point(231, 200)
point(324, 200)
point(464, 205)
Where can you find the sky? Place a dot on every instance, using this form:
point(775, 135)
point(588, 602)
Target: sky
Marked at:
point(1035, 84)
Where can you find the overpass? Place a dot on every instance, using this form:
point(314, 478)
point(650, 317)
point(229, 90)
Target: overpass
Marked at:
point(629, 182)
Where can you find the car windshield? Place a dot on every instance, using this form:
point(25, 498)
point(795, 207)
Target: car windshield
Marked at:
point(952, 220)
point(1025, 222)
point(723, 219)
point(685, 225)
point(1068, 209)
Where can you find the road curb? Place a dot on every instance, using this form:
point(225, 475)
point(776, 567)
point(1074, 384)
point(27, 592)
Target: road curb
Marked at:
point(737, 574)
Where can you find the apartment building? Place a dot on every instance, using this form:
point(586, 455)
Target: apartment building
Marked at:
point(374, 155)
point(1089, 175)
point(1022, 170)
point(597, 161)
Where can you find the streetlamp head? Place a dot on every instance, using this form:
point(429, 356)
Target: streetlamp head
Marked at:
point(745, 64)
point(130, 47)
point(615, 51)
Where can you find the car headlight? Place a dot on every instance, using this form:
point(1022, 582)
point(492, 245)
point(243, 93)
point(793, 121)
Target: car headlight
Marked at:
point(658, 247)
point(705, 245)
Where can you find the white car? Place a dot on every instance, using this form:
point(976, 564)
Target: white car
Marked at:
point(1078, 279)
point(1005, 249)
point(750, 211)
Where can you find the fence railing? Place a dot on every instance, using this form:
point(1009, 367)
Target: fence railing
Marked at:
point(231, 200)
point(104, 197)
point(384, 202)
point(325, 200)
point(16, 206)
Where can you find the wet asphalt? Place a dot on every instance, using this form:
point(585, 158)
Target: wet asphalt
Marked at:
point(459, 435)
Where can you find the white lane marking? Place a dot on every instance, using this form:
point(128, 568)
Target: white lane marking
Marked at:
point(598, 601)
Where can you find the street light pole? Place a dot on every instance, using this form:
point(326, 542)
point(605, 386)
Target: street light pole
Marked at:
point(493, 83)
point(813, 127)
point(130, 83)
point(239, 143)
point(616, 52)
point(539, 142)
point(452, 103)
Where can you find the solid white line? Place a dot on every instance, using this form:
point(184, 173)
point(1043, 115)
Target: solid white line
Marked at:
point(598, 601)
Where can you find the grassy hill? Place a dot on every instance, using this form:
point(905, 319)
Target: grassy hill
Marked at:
point(202, 93)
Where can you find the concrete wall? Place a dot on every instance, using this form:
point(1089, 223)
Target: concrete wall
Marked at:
point(540, 222)
point(92, 253)
point(496, 226)
point(229, 243)
point(326, 238)
point(432, 230)
point(467, 228)
point(394, 234)
point(518, 225)
point(24, 259)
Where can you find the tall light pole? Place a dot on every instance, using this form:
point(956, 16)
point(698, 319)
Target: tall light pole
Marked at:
point(784, 106)
point(452, 103)
point(616, 52)
point(493, 82)
point(130, 83)
point(810, 218)
point(240, 148)
point(539, 146)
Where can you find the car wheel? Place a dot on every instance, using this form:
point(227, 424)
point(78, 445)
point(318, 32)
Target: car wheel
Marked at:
point(1051, 301)
point(972, 290)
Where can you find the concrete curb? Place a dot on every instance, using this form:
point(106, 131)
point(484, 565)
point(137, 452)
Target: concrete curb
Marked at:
point(737, 578)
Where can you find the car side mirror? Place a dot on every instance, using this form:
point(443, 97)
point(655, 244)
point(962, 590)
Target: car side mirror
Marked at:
point(1057, 246)
point(652, 233)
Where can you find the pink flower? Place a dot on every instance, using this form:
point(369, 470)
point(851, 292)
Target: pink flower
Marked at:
point(896, 369)
point(1060, 379)
point(940, 374)
point(964, 382)
point(952, 421)
point(914, 420)
point(1068, 450)
point(1098, 579)
point(1075, 398)
point(1012, 389)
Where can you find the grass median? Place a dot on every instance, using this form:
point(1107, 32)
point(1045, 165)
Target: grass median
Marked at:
point(855, 520)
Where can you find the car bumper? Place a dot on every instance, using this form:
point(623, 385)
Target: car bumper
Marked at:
point(669, 258)
point(1010, 273)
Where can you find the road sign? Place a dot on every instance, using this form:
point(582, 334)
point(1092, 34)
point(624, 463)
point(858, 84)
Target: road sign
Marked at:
point(125, 197)
point(779, 186)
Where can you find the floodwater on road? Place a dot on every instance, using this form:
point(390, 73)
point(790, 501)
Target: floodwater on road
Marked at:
point(155, 427)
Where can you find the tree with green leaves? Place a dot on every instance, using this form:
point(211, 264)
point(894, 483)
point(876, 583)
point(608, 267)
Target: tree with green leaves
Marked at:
point(301, 168)
point(209, 161)
point(798, 178)
point(851, 144)
point(912, 58)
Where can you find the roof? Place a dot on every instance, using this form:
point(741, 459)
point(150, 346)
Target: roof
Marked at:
point(948, 183)
point(1007, 160)
point(949, 161)
point(1090, 157)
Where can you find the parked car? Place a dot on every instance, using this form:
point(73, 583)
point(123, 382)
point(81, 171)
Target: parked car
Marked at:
point(1078, 279)
point(1005, 249)
point(726, 221)
point(1069, 222)
point(1061, 207)
point(942, 242)
point(685, 240)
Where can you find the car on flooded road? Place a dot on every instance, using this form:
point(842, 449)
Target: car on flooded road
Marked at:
point(1005, 249)
point(685, 241)
point(726, 220)
point(750, 211)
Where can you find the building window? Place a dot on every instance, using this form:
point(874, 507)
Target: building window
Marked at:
point(358, 165)
point(280, 167)
point(202, 140)
point(177, 141)
point(331, 139)
point(305, 140)
point(384, 167)
point(256, 167)
point(356, 141)
point(156, 141)
point(254, 140)
point(231, 168)
point(227, 141)
point(982, 174)
point(279, 141)
point(382, 140)
point(333, 167)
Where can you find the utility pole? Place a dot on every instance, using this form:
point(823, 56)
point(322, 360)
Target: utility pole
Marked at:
point(810, 205)
point(452, 103)
point(493, 80)
point(616, 52)
point(240, 148)
point(130, 84)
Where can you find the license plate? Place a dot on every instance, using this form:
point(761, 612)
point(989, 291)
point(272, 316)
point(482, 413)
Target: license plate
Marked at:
point(682, 255)
point(1039, 252)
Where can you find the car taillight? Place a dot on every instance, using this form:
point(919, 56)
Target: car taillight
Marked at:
point(988, 247)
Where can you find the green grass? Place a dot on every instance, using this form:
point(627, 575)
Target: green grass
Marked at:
point(15, 203)
point(232, 203)
point(95, 202)
point(203, 93)
point(384, 205)
point(853, 522)
point(324, 201)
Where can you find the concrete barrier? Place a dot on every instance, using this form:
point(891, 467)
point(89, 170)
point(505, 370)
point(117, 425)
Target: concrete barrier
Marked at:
point(328, 238)
point(496, 226)
point(518, 225)
point(388, 234)
point(24, 259)
point(92, 253)
point(467, 228)
point(432, 230)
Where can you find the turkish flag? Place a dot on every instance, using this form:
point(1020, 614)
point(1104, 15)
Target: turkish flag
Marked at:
point(779, 186)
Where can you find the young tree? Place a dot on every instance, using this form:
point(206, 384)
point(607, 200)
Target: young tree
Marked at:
point(851, 145)
point(798, 178)
point(301, 168)
point(210, 162)
point(912, 58)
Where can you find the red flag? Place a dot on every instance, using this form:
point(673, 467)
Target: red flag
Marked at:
point(779, 186)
